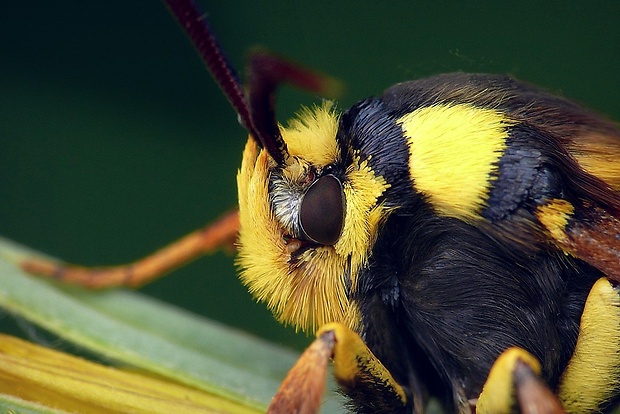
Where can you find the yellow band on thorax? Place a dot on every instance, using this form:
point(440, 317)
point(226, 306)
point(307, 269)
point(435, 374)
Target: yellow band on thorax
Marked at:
point(454, 151)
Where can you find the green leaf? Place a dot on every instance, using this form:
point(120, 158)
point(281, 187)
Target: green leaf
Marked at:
point(11, 405)
point(132, 329)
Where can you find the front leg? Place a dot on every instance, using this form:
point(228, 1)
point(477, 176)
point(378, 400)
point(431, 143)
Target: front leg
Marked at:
point(514, 386)
point(361, 376)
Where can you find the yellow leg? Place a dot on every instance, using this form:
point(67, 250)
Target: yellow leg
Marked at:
point(302, 389)
point(592, 377)
point(514, 385)
point(221, 233)
point(359, 373)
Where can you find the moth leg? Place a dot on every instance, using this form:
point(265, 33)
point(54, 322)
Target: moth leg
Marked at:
point(302, 389)
point(591, 379)
point(359, 373)
point(222, 232)
point(514, 385)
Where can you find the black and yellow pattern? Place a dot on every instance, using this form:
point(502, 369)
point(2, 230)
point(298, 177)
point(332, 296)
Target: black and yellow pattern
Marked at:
point(469, 227)
point(457, 237)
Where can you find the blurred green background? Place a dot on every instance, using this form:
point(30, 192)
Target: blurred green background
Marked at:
point(115, 141)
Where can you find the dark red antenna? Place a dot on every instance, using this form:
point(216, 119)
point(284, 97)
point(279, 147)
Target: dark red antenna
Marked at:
point(256, 110)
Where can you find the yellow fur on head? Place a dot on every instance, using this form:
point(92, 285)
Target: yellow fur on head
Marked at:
point(312, 290)
point(312, 135)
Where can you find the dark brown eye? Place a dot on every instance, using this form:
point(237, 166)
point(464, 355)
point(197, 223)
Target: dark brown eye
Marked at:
point(322, 211)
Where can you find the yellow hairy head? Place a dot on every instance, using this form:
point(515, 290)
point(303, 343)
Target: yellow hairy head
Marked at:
point(305, 287)
point(264, 256)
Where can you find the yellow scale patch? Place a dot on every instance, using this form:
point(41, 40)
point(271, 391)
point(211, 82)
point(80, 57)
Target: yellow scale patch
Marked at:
point(454, 150)
point(554, 215)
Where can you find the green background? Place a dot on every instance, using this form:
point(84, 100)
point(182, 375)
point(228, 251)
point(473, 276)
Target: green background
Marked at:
point(115, 141)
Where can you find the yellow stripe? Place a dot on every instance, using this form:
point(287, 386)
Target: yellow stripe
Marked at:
point(454, 150)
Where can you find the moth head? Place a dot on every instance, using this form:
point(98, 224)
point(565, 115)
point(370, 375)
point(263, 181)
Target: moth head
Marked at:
point(307, 225)
point(308, 218)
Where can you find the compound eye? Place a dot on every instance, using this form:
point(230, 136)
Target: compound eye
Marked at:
point(322, 211)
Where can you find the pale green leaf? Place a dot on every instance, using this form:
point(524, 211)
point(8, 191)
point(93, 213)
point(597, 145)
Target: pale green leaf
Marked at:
point(132, 329)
